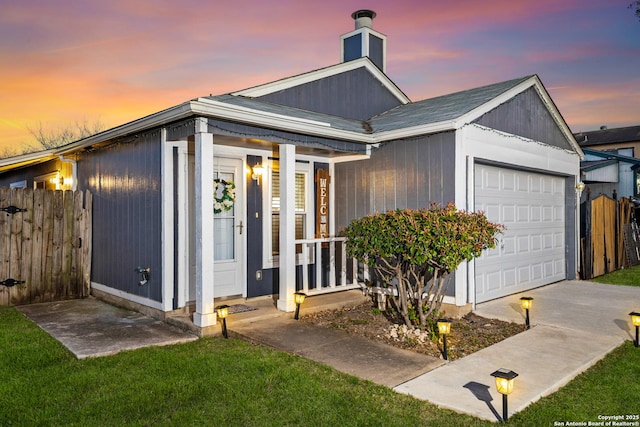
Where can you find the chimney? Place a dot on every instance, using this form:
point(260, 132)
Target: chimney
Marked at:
point(364, 41)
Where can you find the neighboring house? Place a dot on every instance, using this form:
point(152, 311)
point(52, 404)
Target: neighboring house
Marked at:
point(611, 162)
point(307, 154)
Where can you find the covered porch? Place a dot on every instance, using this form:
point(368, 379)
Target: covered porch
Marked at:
point(276, 238)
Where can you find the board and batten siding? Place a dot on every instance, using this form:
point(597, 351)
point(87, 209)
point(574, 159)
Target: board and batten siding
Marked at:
point(354, 94)
point(401, 174)
point(526, 115)
point(125, 181)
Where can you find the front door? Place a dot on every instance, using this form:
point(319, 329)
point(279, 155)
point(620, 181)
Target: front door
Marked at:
point(228, 219)
point(229, 228)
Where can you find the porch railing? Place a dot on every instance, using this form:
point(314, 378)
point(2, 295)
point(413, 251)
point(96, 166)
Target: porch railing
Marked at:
point(323, 267)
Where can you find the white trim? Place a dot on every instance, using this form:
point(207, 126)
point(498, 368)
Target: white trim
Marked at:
point(205, 314)
point(312, 76)
point(287, 258)
point(182, 176)
point(127, 296)
point(167, 232)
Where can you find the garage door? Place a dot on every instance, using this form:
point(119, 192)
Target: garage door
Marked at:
point(531, 252)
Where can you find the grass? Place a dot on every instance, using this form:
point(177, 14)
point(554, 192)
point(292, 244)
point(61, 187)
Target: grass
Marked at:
point(214, 381)
point(628, 277)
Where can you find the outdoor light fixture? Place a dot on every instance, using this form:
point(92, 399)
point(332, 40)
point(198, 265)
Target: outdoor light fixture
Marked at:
point(256, 172)
point(527, 303)
point(444, 327)
point(580, 187)
point(298, 297)
point(504, 384)
point(635, 319)
point(223, 312)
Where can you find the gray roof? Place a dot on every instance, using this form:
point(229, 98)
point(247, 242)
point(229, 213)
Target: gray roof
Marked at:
point(442, 108)
point(608, 136)
point(425, 112)
point(268, 107)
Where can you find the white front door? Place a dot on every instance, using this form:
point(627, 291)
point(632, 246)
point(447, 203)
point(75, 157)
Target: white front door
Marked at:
point(229, 227)
point(531, 251)
point(229, 231)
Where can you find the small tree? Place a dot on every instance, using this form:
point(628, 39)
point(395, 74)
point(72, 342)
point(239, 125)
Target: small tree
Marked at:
point(51, 138)
point(413, 252)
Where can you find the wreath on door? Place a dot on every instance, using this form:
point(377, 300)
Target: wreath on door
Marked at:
point(227, 192)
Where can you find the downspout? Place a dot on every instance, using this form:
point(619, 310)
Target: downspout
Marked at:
point(74, 171)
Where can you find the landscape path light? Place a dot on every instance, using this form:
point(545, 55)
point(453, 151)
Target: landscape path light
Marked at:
point(444, 327)
point(223, 312)
point(298, 297)
point(635, 319)
point(527, 303)
point(504, 384)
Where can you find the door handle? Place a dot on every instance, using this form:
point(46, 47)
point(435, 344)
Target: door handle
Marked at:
point(240, 226)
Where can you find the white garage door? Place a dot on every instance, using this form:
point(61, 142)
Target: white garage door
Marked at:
point(531, 251)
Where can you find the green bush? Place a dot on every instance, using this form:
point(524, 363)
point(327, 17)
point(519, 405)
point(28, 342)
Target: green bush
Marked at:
point(413, 252)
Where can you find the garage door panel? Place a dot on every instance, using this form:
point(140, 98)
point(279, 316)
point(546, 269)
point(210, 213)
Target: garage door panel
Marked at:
point(530, 252)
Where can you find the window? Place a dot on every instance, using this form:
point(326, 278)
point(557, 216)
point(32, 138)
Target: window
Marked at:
point(19, 184)
point(301, 207)
point(47, 181)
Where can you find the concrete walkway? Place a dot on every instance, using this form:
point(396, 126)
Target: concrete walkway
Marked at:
point(574, 324)
point(91, 328)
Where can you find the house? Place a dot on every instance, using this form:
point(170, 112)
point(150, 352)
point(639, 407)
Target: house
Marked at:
point(287, 164)
point(612, 159)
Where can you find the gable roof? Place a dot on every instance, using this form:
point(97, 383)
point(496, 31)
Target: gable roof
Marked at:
point(304, 78)
point(608, 136)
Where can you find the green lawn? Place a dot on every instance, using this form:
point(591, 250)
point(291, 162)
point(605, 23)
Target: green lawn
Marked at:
point(628, 277)
point(230, 382)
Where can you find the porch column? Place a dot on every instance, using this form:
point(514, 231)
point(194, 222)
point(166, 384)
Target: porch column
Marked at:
point(287, 227)
point(205, 313)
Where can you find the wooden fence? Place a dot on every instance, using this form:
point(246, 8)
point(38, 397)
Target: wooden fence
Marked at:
point(604, 246)
point(45, 246)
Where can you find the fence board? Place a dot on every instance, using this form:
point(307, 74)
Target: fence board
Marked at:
point(27, 243)
point(48, 246)
point(36, 250)
point(5, 248)
point(49, 293)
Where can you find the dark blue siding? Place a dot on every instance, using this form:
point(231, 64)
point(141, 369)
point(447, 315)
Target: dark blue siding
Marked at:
point(400, 174)
point(355, 94)
point(526, 115)
point(125, 181)
point(353, 47)
point(376, 51)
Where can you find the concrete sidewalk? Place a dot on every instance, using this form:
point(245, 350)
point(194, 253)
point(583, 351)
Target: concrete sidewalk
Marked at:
point(92, 328)
point(575, 324)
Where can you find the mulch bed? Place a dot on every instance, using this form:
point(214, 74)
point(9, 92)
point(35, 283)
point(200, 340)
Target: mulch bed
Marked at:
point(468, 334)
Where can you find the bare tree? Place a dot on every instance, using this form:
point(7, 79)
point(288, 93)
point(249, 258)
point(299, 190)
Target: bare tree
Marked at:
point(51, 138)
point(636, 6)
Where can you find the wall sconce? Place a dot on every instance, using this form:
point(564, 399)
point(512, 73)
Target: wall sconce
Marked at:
point(504, 384)
point(145, 275)
point(298, 297)
point(256, 172)
point(579, 188)
point(444, 327)
point(59, 181)
point(222, 312)
point(527, 303)
point(635, 319)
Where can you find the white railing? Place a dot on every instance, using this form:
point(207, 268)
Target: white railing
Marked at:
point(325, 278)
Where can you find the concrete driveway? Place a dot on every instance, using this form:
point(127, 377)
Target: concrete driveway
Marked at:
point(574, 324)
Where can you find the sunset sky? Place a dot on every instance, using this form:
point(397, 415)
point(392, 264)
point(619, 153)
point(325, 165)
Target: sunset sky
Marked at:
point(119, 60)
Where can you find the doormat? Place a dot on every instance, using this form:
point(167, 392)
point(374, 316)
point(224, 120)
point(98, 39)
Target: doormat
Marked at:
point(240, 308)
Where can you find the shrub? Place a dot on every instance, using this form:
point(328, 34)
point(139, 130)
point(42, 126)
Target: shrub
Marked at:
point(413, 252)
